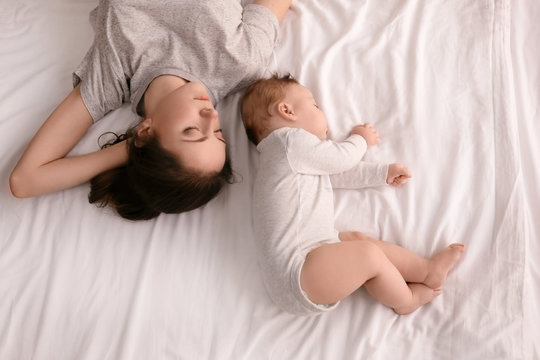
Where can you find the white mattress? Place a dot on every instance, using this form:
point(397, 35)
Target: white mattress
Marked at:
point(453, 88)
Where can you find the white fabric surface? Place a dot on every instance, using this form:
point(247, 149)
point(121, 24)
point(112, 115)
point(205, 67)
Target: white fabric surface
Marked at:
point(453, 88)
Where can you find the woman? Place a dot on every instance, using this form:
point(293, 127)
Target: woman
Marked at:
point(174, 60)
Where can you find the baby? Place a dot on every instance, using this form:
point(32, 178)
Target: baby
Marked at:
point(307, 266)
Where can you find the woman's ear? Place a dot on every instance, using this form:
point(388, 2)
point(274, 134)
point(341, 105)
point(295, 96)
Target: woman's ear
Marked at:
point(143, 132)
point(286, 111)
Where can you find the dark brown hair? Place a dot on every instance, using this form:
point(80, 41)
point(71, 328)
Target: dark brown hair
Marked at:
point(256, 102)
point(153, 181)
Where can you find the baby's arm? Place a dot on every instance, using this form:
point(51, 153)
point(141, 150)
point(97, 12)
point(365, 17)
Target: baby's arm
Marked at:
point(364, 174)
point(367, 174)
point(43, 167)
point(307, 154)
point(370, 174)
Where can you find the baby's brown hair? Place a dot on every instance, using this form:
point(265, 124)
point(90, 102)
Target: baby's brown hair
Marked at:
point(256, 102)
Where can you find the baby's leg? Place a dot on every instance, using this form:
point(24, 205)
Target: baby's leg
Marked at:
point(441, 263)
point(333, 271)
point(414, 268)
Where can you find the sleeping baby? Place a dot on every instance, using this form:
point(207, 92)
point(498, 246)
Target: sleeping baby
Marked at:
point(307, 266)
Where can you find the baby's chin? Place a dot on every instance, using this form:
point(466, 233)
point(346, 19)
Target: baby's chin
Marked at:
point(320, 135)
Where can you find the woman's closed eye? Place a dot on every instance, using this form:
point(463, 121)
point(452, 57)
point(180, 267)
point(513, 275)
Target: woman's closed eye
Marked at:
point(220, 138)
point(190, 129)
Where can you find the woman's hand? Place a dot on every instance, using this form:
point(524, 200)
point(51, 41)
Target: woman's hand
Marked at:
point(278, 7)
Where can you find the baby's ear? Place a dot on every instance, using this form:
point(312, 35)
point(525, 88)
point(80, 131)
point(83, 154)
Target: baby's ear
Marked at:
point(143, 132)
point(286, 111)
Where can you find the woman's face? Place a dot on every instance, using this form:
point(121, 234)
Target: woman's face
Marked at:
point(187, 125)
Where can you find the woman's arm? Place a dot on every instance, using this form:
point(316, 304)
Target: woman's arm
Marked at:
point(278, 7)
point(43, 167)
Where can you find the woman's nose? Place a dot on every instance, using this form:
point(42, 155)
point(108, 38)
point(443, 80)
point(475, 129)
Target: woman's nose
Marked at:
point(209, 113)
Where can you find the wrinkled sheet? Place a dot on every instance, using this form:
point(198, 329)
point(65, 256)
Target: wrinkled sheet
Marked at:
point(453, 88)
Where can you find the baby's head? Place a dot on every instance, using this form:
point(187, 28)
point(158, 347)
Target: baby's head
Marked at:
point(270, 104)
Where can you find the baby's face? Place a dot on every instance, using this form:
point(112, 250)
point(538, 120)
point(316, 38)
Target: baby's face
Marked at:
point(306, 111)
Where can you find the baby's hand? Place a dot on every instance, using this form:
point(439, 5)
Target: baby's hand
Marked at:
point(368, 132)
point(397, 174)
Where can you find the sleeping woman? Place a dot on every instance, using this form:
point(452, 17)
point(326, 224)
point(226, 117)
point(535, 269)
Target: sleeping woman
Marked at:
point(174, 61)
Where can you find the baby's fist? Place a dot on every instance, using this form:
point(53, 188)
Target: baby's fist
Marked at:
point(368, 132)
point(398, 174)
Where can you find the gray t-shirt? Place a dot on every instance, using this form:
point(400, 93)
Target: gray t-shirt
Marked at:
point(218, 43)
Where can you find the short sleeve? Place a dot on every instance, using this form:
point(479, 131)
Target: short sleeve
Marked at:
point(102, 90)
point(262, 27)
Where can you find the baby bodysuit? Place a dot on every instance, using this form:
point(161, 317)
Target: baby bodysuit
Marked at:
point(293, 207)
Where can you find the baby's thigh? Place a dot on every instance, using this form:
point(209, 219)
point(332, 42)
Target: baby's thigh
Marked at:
point(355, 235)
point(332, 272)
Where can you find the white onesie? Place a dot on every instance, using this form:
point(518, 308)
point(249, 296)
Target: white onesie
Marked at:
point(293, 206)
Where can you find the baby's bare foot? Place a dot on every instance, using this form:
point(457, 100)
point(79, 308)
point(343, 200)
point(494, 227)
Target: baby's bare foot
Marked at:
point(422, 294)
point(441, 264)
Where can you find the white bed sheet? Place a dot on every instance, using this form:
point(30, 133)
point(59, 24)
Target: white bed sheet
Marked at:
point(452, 87)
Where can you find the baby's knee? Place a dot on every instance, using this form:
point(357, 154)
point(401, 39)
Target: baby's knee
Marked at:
point(357, 236)
point(369, 252)
point(352, 236)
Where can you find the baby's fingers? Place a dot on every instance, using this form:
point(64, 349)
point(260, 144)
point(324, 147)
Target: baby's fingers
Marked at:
point(400, 180)
point(406, 172)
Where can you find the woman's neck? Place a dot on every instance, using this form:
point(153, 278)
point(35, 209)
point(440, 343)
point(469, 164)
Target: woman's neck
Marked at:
point(160, 87)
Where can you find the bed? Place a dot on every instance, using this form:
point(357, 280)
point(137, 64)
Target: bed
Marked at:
point(453, 88)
